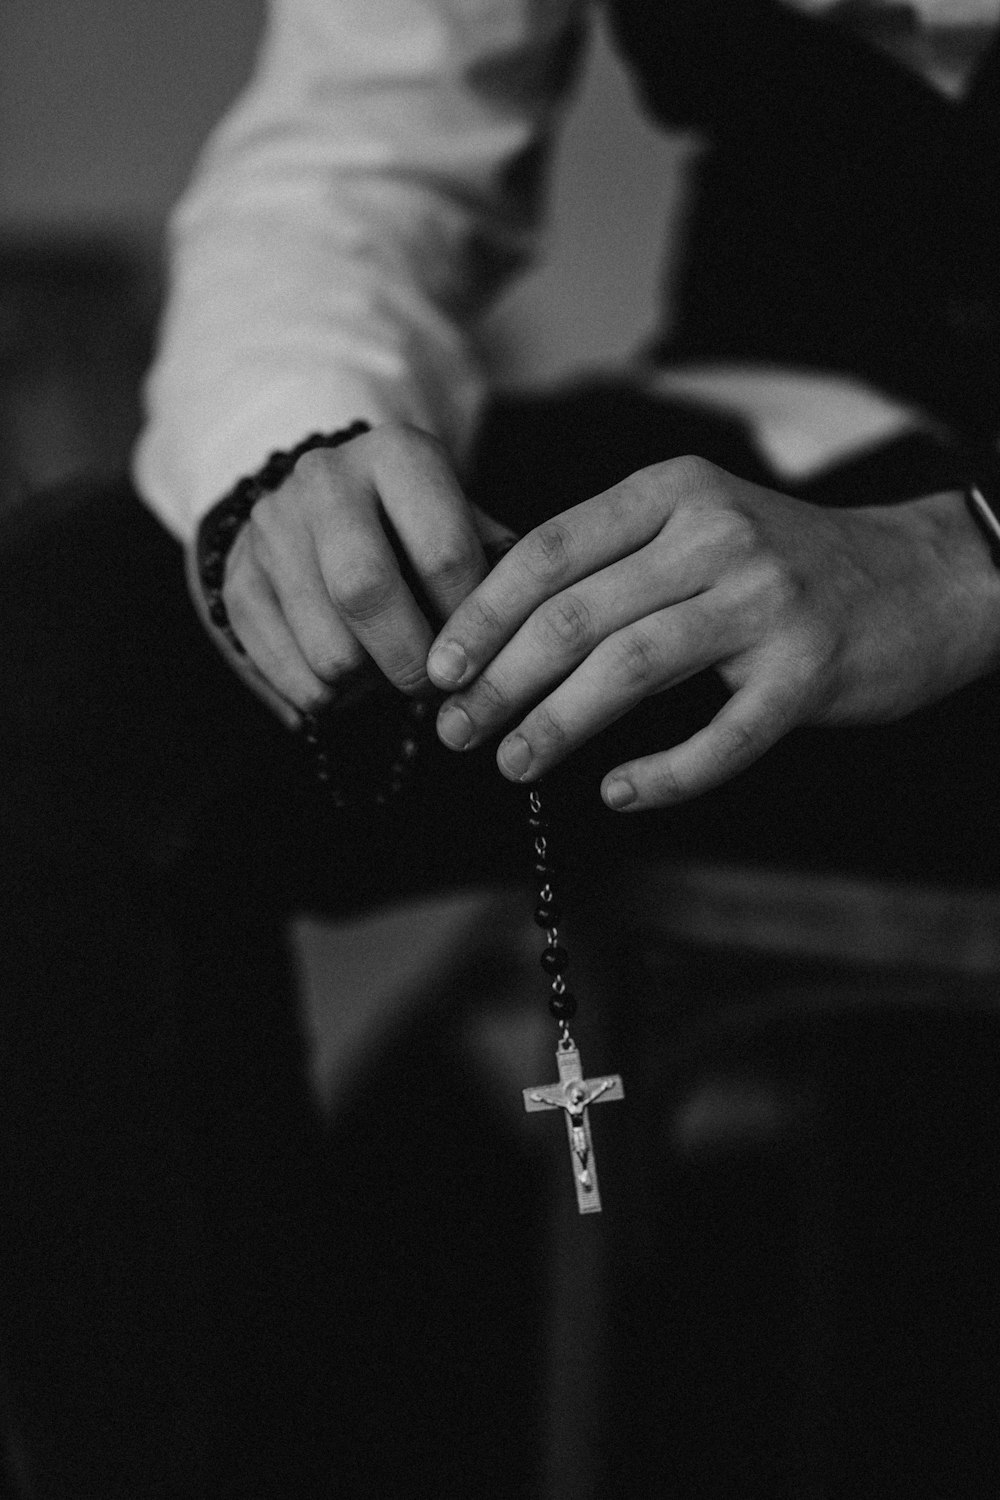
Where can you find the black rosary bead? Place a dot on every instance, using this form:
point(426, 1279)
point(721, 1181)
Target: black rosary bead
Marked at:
point(228, 524)
point(554, 959)
point(563, 1007)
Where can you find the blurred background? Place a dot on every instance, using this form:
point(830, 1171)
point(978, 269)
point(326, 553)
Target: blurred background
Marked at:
point(103, 108)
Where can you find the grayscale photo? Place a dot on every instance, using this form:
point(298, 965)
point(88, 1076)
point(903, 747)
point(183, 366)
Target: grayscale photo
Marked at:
point(499, 750)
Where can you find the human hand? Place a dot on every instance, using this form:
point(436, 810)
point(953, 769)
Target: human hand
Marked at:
point(809, 616)
point(345, 570)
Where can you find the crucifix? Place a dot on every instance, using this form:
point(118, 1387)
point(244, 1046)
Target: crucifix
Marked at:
point(573, 1094)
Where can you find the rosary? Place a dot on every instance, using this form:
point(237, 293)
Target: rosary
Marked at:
point(572, 1093)
point(403, 718)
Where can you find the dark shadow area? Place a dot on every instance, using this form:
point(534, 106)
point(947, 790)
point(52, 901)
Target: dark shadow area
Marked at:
point(811, 1310)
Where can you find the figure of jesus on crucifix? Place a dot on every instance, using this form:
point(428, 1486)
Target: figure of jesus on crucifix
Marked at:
point(574, 1094)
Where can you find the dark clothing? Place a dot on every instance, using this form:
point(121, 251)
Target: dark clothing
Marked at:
point(179, 1236)
point(842, 214)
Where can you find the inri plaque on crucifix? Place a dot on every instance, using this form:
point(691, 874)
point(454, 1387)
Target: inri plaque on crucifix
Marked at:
point(574, 1094)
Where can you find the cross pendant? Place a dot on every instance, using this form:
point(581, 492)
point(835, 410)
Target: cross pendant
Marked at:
point(573, 1094)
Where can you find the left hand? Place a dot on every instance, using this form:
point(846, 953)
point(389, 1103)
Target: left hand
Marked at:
point(809, 616)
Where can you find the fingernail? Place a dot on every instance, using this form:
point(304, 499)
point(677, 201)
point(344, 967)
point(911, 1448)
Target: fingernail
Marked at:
point(619, 793)
point(454, 727)
point(447, 663)
point(514, 755)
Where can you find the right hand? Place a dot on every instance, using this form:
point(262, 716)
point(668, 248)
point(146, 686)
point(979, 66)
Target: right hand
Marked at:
point(349, 567)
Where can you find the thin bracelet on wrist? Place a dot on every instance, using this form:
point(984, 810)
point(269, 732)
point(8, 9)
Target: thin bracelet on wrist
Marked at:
point(982, 500)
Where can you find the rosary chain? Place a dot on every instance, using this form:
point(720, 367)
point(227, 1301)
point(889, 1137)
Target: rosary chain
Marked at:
point(554, 957)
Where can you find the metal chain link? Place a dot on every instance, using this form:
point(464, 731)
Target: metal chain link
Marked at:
point(554, 957)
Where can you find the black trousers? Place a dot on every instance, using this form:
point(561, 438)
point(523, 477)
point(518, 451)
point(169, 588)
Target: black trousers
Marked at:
point(179, 1239)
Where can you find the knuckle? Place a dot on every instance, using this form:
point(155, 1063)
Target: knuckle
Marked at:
point(488, 697)
point(733, 745)
point(566, 621)
point(329, 664)
point(549, 729)
point(772, 587)
point(686, 478)
point(547, 551)
point(733, 532)
point(692, 474)
point(645, 485)
point(635, 661)
point(481, 619)
point(779, 582)
point(451, 565)
point(364, 590)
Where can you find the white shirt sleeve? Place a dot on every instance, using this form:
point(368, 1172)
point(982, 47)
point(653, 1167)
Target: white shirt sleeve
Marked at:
point(350, 218)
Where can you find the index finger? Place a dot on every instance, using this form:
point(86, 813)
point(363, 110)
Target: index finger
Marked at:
point(555, 554)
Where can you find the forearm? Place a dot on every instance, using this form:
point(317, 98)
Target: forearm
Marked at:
point(370, 192)
point(258, 350)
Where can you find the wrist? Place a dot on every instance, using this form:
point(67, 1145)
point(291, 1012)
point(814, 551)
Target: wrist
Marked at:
point(219, 528)
point(964, 555)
